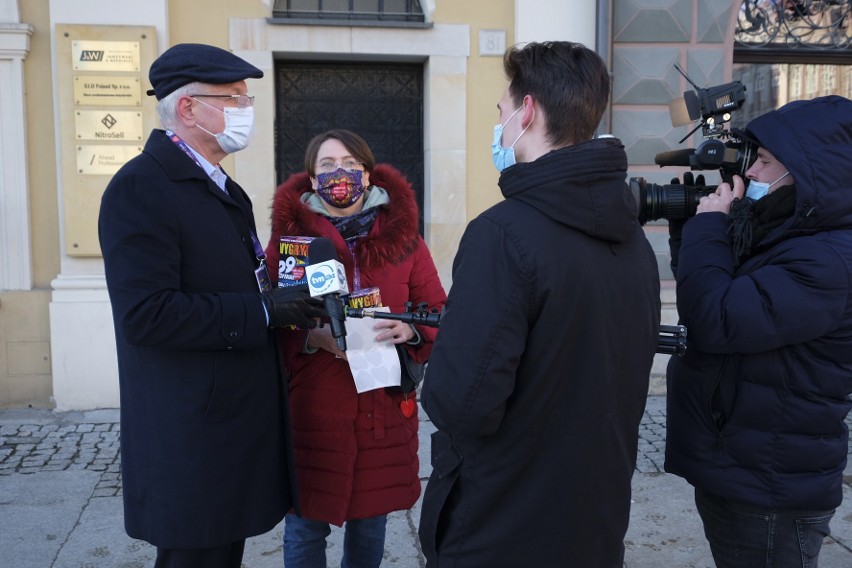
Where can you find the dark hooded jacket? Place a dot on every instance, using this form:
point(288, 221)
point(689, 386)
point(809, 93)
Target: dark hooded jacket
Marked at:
point(538, 378)
point(756, 407)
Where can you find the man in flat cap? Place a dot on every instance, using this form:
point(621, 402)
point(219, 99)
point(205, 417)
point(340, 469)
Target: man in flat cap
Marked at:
point(205, 445)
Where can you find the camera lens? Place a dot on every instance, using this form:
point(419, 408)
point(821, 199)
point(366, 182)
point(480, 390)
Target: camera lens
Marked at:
point(674, 202)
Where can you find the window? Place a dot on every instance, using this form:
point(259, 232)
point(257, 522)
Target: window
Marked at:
point(809, 26)
point(387, 13)
point(801, 47)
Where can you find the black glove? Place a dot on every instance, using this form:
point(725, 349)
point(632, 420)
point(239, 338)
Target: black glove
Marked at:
point(676, 226)
point(292, 305)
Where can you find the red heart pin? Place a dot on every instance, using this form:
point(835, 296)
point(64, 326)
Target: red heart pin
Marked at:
point(407, 407)
point(298, 272)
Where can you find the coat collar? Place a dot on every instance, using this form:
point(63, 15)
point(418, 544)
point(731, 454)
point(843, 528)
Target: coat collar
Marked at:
point(178, 165)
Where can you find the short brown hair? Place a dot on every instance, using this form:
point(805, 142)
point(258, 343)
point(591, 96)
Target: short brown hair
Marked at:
point(570, 82)
point(356, 145)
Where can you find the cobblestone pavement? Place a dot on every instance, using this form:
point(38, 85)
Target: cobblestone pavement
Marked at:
point(75, 520)
point(29, 448)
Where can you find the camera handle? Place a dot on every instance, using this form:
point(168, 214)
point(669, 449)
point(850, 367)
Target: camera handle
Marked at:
point(672, 340)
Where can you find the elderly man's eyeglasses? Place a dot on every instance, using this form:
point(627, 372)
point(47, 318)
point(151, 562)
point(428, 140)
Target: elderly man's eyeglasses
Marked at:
point(242, 101)
point(328, 166)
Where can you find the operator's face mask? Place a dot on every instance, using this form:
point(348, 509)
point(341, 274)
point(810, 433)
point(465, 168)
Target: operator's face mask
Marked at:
point(759, 189)
point(504, 157)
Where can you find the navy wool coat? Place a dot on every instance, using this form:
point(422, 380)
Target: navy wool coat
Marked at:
point(205, 452)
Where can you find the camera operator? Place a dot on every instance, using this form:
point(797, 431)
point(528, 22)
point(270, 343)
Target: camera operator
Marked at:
point(756, 406)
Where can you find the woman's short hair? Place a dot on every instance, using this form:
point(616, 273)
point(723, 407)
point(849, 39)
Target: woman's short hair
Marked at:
point(356, 145)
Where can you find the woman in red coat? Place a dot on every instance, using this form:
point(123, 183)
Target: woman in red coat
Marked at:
point(356, 454)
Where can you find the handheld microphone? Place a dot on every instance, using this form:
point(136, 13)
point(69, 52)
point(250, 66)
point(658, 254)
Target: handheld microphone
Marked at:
point(327, 279)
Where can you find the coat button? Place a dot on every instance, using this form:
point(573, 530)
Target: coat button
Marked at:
point(233, 335)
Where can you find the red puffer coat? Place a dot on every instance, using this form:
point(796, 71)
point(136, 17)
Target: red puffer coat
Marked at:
point(356, 455)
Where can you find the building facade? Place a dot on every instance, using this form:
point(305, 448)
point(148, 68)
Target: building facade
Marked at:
point(57, 97)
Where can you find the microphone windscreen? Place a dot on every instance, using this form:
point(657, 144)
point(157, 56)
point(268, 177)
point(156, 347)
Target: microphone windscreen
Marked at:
point(321, 249)
point(325, 274)
point(674, 158)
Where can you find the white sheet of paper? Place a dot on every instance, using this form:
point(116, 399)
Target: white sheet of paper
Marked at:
point(374, 364)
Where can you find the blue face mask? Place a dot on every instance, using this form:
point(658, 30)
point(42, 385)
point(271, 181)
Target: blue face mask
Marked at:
point(759, 189)
point(504, 157)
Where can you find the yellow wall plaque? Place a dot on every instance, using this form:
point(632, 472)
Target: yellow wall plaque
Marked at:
point(88, 55)
point(112, 125)
point(103, 116)
point(104, 160)
point(107, 90)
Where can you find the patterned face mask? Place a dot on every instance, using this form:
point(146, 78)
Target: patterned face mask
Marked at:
point(340, 188)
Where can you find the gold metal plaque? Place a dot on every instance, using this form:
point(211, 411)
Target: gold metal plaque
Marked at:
point(103, 90)
point(113, 56)
point(102, 159)
point(119, 125)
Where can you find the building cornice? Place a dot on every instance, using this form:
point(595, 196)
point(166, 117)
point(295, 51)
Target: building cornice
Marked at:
point(15, 40)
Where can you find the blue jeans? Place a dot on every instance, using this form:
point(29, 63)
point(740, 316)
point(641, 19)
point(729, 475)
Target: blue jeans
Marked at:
point(747, 536)
point(363, 542)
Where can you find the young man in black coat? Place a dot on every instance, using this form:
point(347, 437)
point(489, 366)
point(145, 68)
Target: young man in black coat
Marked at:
point(539, 374)
point(205, 450)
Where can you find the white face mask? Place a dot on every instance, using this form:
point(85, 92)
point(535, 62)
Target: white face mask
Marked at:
point(759, 189)
point(239, 127)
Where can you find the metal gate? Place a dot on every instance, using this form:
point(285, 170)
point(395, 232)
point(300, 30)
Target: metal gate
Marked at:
point(383, 102)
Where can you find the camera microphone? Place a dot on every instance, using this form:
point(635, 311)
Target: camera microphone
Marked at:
point(675, 158)
point(327, 279)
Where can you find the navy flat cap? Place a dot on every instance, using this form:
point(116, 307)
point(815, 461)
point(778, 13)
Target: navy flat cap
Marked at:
point(187, 63)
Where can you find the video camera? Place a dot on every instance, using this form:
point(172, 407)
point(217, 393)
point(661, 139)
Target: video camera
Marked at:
point(713, 107)
point(671, 340)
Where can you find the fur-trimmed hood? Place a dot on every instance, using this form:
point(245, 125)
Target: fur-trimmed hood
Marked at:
point(394, 234)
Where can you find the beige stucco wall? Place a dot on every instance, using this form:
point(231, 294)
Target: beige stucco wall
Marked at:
point(462, 89)
point(485, 85)
point(25, 363)
point(470, 85)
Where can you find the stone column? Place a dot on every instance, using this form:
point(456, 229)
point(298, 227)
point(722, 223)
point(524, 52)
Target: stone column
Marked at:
point(15, 261)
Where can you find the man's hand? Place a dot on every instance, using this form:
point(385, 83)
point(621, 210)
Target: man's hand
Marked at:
point(721, 200)
point(292, 305)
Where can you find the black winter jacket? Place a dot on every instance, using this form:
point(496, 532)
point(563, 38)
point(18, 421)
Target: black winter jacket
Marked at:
point(539, 374)
point(756, 407)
